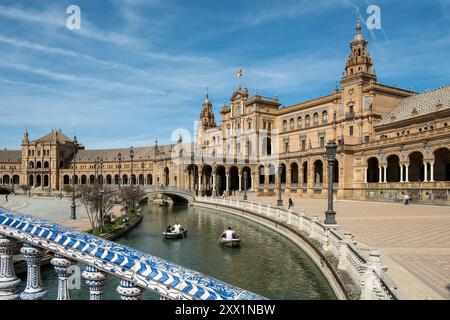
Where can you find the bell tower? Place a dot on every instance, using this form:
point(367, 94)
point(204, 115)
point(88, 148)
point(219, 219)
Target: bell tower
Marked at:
point(207, 116)
point(359, 66)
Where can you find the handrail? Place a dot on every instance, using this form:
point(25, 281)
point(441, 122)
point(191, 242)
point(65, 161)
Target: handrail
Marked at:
point(136, 270)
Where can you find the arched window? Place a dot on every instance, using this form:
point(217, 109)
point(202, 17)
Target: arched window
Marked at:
point(238, 111)
point(307, 120)
point(299, 122)
point(291, 123)
point(325, 116)
point(285, 125)
point(316, 118)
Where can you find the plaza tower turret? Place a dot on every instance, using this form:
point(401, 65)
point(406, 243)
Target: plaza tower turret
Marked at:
point(207, 116)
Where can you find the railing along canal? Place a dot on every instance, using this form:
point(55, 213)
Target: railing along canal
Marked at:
point(137, 271)
point(367, 272)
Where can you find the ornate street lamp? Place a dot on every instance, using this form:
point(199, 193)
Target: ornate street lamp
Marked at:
point(330, 215)
point(143, 174)
point(280, 199)
point(119, 156)
point(245, 185)
point(73, 211)
point(131, 156)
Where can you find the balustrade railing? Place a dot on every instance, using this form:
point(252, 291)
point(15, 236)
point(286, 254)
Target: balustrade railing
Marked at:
point(137, 271)
point(367, 272)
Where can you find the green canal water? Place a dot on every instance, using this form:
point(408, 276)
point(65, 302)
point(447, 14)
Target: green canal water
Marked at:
point(266, 263)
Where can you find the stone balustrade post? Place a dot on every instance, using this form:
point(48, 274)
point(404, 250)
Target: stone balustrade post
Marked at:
point(326, 240)
point(33, 256)
point(95, 280)
point(301, 218)
point(343, 247)
point(8, 280)
point(289, 219)
point(129, 291)
point(312, 231)
point(371, 283)
point(62, 268)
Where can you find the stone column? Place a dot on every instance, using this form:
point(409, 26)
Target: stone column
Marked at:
point(252, 179)
point(431, 171)
point(227, 178)
point(214, 184)
point(129, 291)
point(401, 173)
point(365, 174)
point(385, 174)
point(407, 172)
point(34, 289)
point(240, 182)
point(8, 280)
point(380, 174)
point(95, 280)
point(200, 185)
point(425, 172)
point(62, 266)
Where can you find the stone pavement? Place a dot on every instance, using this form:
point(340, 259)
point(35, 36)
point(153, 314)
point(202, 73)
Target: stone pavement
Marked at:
point(51, 209)
point(414, 240)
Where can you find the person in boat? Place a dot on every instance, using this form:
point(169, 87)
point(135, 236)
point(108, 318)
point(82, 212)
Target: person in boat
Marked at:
point(229, 234)
point(169, 229)
point(177, 228)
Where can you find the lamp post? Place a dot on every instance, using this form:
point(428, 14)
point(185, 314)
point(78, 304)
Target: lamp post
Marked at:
point(101, 172)
point(12, 178)
point(245, 185)
point(73, 213)
point(131, 156)
point(143, 174)
point(119, 156)
point(280, 199)
point(330, 215)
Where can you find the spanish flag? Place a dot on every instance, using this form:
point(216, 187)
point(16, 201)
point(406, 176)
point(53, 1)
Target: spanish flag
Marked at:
point(239, 73)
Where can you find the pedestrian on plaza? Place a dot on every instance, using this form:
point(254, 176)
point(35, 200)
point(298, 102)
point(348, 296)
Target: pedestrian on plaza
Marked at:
point(6, 196)
point(291, 204)
point(406, 199)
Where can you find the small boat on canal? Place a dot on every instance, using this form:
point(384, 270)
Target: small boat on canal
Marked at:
point(230, 243)
point(175, 235)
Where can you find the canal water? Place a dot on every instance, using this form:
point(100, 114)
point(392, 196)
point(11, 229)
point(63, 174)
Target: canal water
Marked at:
point(266, 263)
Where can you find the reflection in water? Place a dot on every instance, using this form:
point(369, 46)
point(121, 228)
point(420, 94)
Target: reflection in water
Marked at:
point(266, 263)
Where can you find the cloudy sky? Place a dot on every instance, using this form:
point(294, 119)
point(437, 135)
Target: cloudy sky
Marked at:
point(138, 69)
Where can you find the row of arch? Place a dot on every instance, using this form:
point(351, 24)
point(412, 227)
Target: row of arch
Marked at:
point(110, 180)
point(416, 170)
point(208, 180)
point(7, 179)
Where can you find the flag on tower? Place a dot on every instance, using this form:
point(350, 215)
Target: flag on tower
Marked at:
point(239, 73)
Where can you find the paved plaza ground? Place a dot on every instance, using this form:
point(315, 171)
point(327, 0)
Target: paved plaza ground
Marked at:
point(48, 208)
point(414, 240)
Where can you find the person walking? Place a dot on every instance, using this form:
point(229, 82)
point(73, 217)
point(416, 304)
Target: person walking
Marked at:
point(291, 204)
point(6, 197)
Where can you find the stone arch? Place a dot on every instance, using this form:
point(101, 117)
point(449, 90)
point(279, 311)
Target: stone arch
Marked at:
point(248, 170)
point(234, 178)
point(207, 179)
point(166, 176)
point(83, 179)
point(271, 172)
point(442, 164)
point(66, 179)
point(31, 180)
point(125, 179)
point(221, 179)
point(393, 168)
point(262, 174)
point(318, 171)
point(108, 179)
point(38, 165)
point(16, 179)
point(305, 172)
point(373, 172)
point(46, 180)
point(283, 173)
point(149, 179)
point(46, 165)
point(294, 173)
point(416, 167)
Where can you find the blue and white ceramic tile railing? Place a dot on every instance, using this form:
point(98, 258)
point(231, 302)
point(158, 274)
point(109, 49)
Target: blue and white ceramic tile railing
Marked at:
point(368, 272)
point(137, 271)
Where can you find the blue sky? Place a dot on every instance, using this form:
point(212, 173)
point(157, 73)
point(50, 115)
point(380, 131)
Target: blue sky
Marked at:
point(137, 69)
